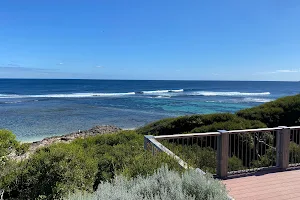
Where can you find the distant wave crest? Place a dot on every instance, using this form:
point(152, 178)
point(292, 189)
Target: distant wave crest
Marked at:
point(163, 96)
point(208, 93)
point(161, 91)
point(158, 93)
point(72, 95)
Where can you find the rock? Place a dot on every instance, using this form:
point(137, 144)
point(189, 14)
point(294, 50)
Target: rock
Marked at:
point(97, 130)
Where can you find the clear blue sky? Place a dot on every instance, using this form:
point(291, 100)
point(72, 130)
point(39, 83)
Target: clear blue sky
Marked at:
point(150, 39)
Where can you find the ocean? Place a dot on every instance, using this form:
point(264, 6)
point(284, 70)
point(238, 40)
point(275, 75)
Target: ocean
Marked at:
point(38, 108)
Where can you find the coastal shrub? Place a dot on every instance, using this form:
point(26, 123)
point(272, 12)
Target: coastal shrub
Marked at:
point(186, 124)
point(8, 142)
point(294, 153)
point(235, 124)
point(171, 126)
point(123, 153)
point(22, 148)
point(195, 156)
point(53, 171)
point(164, 184)
point(281, 112)
point(203, 158)
point(234, 164)
point(8, 172)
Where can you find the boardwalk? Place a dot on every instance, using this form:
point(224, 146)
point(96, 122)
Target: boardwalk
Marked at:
point(275, 186)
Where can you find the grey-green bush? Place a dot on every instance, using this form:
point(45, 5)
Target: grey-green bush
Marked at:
point(164, 184)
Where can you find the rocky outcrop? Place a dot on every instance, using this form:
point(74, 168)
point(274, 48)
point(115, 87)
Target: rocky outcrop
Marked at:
point(97, 130)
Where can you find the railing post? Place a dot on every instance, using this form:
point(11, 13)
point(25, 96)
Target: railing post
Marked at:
point(282, 147)
point(222, 153)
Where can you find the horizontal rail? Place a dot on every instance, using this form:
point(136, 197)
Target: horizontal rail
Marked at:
point(294, 127)
point(218, 133)
point(254, 130)
point(186, 135)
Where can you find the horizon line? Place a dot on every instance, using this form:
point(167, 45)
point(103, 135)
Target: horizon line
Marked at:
point(145, 79)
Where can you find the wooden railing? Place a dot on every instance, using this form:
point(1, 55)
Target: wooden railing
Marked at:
point(236, 151)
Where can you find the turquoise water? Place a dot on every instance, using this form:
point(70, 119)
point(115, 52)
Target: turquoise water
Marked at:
point(34, 109)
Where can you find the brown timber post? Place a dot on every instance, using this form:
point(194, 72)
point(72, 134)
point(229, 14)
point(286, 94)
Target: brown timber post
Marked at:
point(222, 154)
point(282, 147)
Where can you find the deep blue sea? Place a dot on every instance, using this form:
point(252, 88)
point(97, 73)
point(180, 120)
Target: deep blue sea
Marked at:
point(34, 109)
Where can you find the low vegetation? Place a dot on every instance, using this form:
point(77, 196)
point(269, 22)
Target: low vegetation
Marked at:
point(203, 158)
point(198, 123)
point(162, 185)
point(8, 142)
point(282, 112)
point(52, 172)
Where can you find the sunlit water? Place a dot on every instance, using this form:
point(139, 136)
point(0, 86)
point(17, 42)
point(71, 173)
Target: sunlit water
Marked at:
point(34, 109)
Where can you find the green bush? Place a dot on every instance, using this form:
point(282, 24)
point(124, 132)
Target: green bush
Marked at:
point(54, 171)
point(203, 158)
point(234, 164)
point(22, 148)
point(8, 172)
point(8, 142)
point(162, 185)
point(281, 112)
point(195, 156)
point(171, 126)
point(235, 124)
point(294, 153)
point(211, 122)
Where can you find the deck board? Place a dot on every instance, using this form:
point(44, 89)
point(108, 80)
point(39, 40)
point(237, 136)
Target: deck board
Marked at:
point(276, 186)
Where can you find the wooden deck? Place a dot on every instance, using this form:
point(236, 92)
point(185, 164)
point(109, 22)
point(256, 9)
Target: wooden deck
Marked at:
point(275, 186)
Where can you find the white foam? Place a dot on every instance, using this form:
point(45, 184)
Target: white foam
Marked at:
point(258, 100)
point(162, 91)
point(165, 93)
point(180, 90)
point(163, 96)
point(208, 93)
point(72, 95)
point(155, 92)
point(12, 102)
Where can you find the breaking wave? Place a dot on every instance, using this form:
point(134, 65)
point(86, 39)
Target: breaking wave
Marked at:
point(258, 100)
point(159, 93)
point(72, 95)
point(208, 93)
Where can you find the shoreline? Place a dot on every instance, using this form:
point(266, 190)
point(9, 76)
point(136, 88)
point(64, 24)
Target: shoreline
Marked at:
point(39, 139)
point(66, 138)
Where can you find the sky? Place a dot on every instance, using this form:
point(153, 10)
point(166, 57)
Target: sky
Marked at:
point(151, 39)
